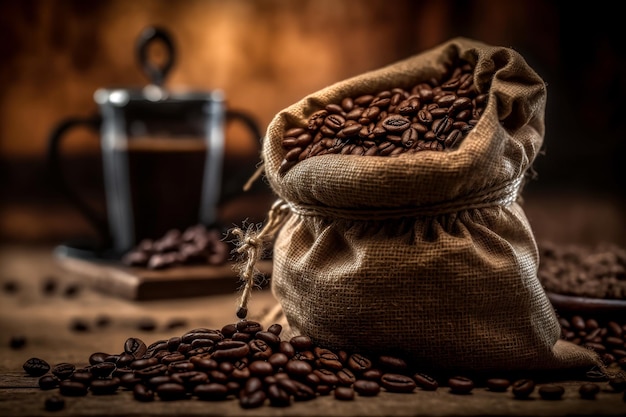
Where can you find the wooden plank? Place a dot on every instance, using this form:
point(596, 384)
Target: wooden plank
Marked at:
point(144, 284)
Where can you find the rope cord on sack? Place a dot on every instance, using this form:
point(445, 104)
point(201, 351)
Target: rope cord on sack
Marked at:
point(500, 195)
point(250, 246)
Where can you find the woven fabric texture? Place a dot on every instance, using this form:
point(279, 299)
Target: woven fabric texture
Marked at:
point(428, 255)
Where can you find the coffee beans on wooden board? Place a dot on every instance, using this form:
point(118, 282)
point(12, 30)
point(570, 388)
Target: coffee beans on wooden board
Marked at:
point(246, 363)
point(596, 271)
point(431, 115)
point(195, 245)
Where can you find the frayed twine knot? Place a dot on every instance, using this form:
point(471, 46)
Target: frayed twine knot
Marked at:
point(250, 245)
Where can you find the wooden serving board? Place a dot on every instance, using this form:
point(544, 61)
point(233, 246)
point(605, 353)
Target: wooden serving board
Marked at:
point(136, 283)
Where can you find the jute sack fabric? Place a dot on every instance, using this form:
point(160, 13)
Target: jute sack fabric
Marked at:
point(428, 255)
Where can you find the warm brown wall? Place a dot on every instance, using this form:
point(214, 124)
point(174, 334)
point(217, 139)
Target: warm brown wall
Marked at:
point(266, 54)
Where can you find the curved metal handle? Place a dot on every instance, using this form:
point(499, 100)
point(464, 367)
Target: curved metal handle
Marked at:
point(56, 172)
point(253, 127)
point(148, 36)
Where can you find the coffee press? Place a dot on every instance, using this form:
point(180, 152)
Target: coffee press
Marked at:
point(162, 154)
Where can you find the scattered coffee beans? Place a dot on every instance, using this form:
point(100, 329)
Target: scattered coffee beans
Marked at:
point(195, 245)
point(254, 365)
point(431, 115)
point(606, 337)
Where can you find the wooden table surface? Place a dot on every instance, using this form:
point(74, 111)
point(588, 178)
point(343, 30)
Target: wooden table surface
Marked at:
point(46, 319)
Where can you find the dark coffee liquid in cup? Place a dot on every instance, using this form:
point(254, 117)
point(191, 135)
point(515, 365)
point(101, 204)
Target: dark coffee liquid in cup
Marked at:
point(165, 177)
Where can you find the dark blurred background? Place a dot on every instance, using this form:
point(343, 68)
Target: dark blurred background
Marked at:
point(267, 54)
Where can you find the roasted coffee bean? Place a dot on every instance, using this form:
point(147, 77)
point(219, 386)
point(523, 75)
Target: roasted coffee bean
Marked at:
point(326, 377)
point(522, 388)
point(151, 371)
point(211, 391)
point(136, 347)
point(277, 396)
point(393, 364)
point(259, 349)
point(54, 403)
point(588, 391)
point(129, 380)
point(155, 347)
point(97, 357)
point(275, 329)
point(344, 393)
point(359, 363)
point(72, 388)
point(327, 359)
point(298, 368)
point(36, 367)
point(63, 370)
point(104, 386)
point(346, 377)
point(143, 363)
point(551, 392)
point(397, 383)
point(249, 326)
point(460, 385)
point(48, 382)
point(230, 350)
point(190, 379)
point(268, 337)
point(171, 391)
point(366, 387)
point(260, 368)
point(180, 366)
point(373, 374)
point(102, 369)
point(301, 343)
point(143, 393)
point(498, 384)
point(82, 376)
point(253, 399)
point(425, 382)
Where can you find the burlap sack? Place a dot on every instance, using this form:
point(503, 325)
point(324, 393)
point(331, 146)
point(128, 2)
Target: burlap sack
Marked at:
point(427, 255)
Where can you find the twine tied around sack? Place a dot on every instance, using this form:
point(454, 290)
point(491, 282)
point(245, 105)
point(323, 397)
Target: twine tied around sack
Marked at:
point(250, 246)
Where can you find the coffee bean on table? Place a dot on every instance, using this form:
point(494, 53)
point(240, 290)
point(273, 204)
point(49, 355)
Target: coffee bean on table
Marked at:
point(397, 383)
point(48, 382)
point(522, 388)
point(460, 385)
point(551, 392)
point(142, 393)
point(102, 369)
point(63, 370)
point(589, 391)
point(54, 403)
point(344, 393)
point(171, 391)
point(498, 384)
point(72, 388)
point(36, 367)
point(106, 386)
point(366, 387)
point(425, 382)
